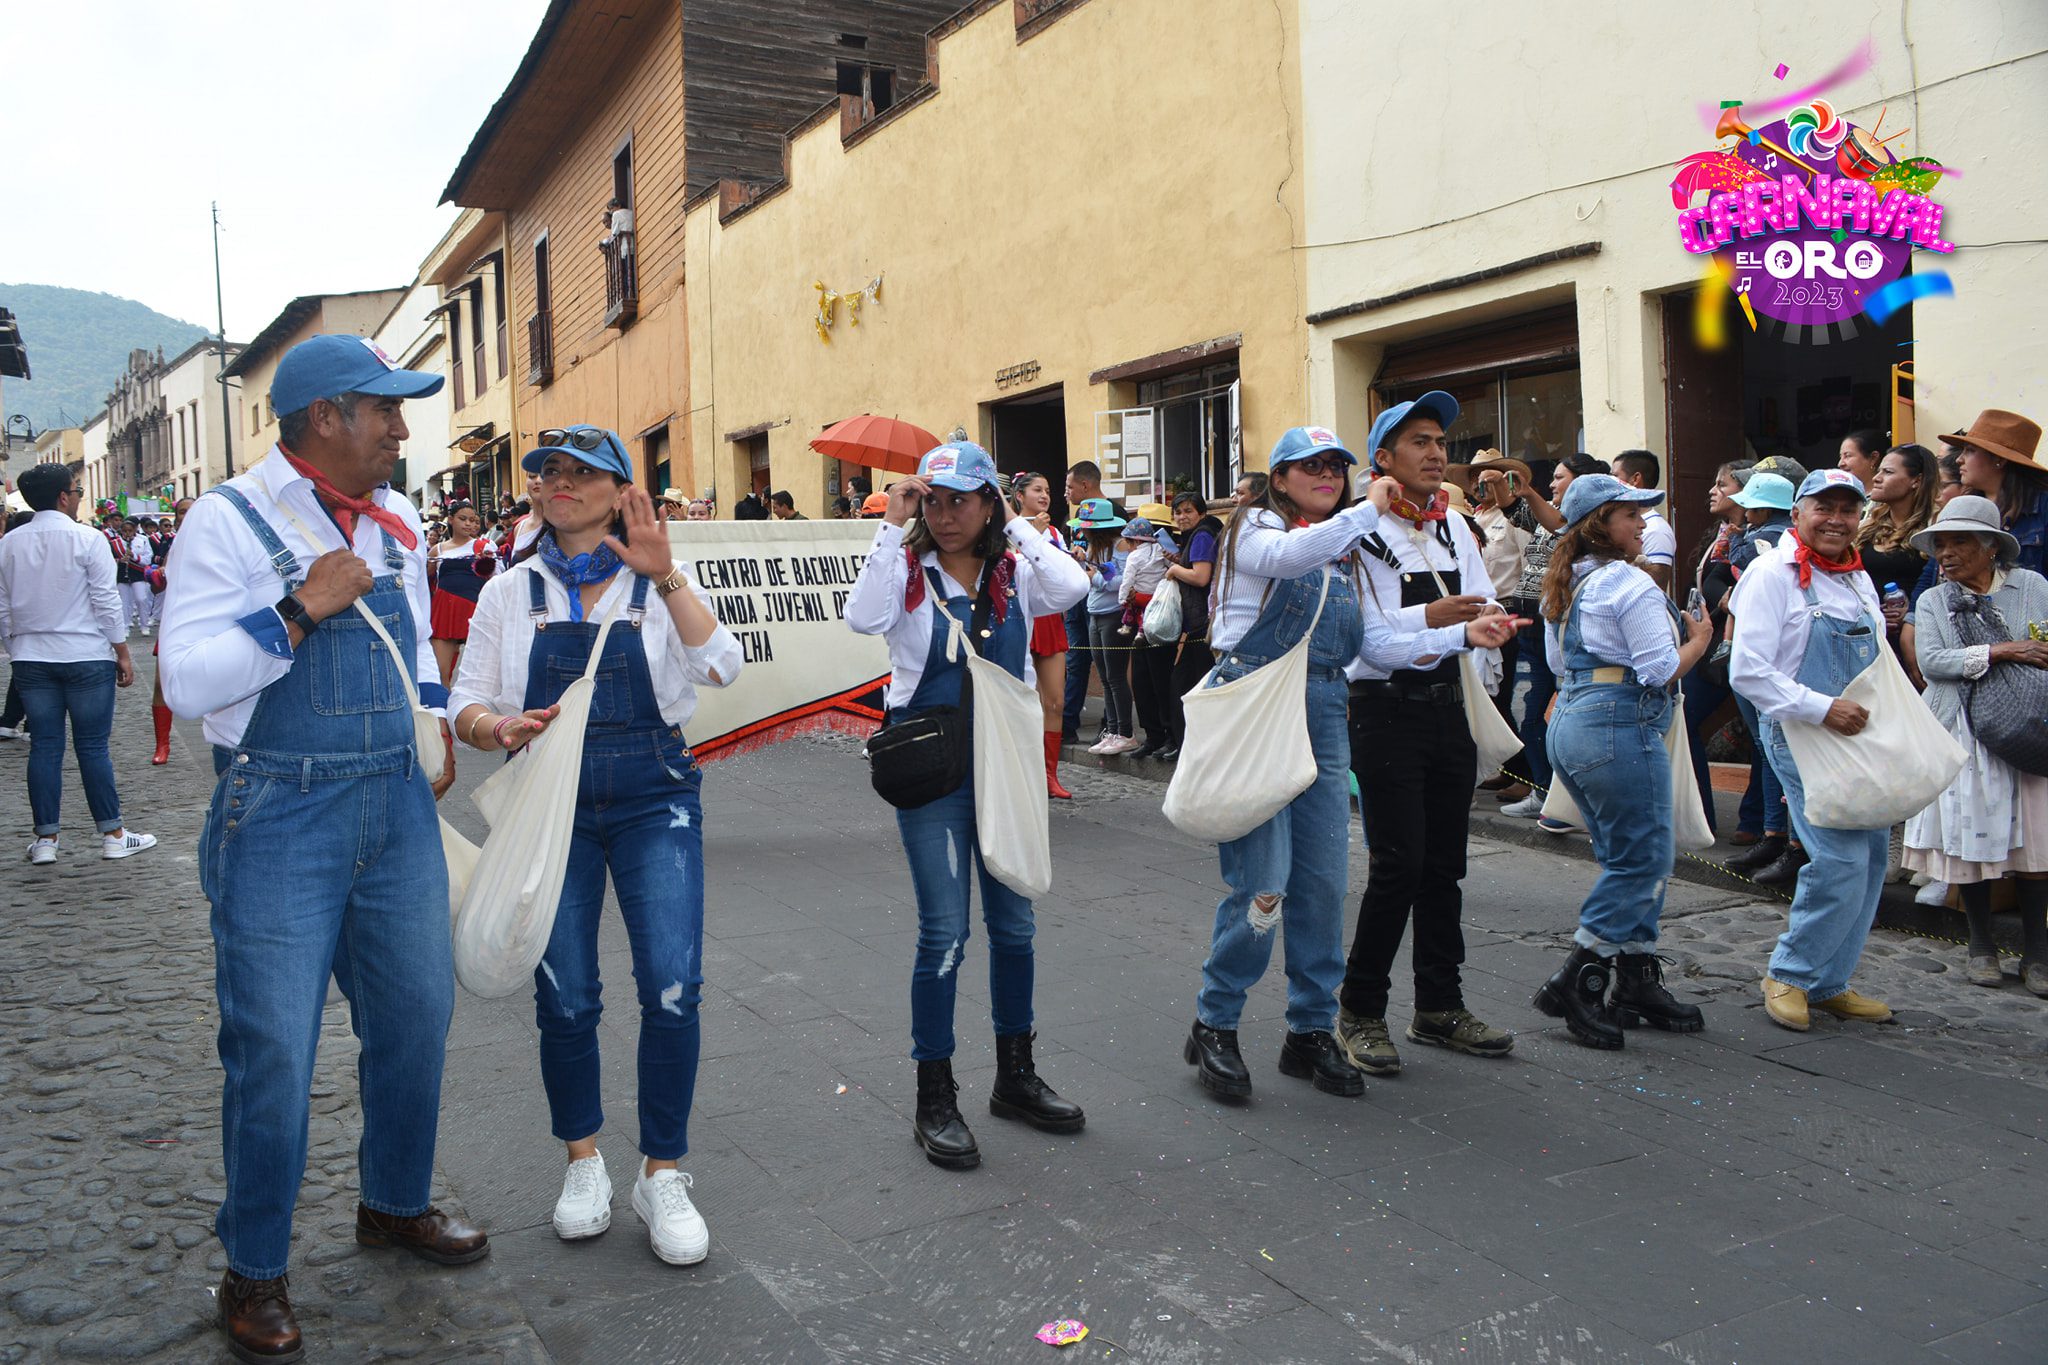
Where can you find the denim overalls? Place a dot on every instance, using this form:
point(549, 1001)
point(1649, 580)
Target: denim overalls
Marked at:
point(1837, 897)
point(1303, 852)
point(945, 854)
point(1607, 748)
point(321, 852)
point(637, 812)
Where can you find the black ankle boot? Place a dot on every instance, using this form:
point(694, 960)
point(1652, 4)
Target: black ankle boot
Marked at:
point(1640, 997)
point(1020, 1094)
point(1762, 853)
point(1577, 995)
point(939, 1128)
point(1217, 1062)
point(1316, 1058)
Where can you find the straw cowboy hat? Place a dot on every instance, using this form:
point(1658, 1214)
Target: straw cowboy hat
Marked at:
point(1466, 476)
point(2007, 435)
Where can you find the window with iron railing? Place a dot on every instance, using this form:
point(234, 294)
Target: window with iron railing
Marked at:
point(621, 280)
point(540, 349)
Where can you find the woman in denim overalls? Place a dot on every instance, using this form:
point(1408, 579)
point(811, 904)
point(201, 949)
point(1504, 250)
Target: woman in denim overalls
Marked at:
point(604, 555)
point(955, 561)
point(1610, 644)
point(1807, 621)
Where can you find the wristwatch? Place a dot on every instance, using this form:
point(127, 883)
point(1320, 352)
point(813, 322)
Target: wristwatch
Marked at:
point(294, 613)
point(671, 581)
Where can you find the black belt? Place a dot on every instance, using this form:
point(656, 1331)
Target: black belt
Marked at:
point(1430, 694)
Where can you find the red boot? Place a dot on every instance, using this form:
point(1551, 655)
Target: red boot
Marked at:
point(1052, 768)
point(162, 716)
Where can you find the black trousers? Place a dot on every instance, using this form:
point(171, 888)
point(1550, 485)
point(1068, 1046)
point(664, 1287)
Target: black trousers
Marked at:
point(1151, 672)
point(14, 713)
point(1416, 768)
point(1194, 663)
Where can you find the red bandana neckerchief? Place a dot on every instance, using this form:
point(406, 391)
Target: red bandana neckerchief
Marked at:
point(1004, 573)
point(1439, 505)
point(346, 509)
point(1807, 561)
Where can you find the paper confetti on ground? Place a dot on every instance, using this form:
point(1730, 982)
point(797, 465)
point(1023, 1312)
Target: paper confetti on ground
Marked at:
point(840, 1091)
point(1064, 1332)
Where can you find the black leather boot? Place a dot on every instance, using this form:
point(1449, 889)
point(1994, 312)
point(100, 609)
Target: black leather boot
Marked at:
point(1021, 1094)
point(1577, 994)
point(1640, 997)
point(1784, 872)
point(1762, 853)
point(939, 1128)
point(1316, 1058)
point(1217, 1062)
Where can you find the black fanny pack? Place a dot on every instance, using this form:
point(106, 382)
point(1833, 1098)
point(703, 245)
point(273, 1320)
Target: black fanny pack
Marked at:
point(927, 755)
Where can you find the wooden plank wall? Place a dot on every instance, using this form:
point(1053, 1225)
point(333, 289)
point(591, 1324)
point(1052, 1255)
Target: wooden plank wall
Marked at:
point(757, 67)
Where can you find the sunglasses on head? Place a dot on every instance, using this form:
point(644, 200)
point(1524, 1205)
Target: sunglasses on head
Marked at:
point(583, 438)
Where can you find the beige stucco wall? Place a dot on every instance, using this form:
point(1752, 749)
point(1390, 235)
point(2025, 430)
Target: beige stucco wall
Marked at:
point(1557, 122)
point(1121, 184)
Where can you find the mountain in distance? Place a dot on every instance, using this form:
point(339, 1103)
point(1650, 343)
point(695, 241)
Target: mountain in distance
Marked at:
point(78, 343)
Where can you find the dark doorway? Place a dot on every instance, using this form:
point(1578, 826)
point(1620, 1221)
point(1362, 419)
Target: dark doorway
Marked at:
point(1030, 433)
point(1703, 425)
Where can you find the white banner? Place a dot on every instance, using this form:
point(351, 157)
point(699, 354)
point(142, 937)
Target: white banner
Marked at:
point(781, 588)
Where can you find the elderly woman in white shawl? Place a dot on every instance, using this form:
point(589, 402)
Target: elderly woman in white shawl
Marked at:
point(1993, 819)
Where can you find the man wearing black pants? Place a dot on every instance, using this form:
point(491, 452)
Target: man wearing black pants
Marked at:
point(1413, 754)
point(1084, 481)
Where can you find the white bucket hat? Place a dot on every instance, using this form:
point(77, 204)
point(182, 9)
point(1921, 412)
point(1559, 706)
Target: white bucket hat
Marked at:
point(1975, 515)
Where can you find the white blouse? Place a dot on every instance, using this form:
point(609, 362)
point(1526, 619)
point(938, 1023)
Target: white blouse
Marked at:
point(1266, 550)
point(494, 662)
point(1048, 581)
point(1771, 626)
point(1624, 618)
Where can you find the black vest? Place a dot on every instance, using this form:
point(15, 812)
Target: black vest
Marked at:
point(1418, 588)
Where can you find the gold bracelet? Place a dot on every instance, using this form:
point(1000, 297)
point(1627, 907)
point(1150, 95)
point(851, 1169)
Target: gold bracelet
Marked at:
point(475, 721)
point(674, 581)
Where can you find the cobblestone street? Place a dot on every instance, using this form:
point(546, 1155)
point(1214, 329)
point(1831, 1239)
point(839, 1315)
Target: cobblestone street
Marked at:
point(1745, 1194)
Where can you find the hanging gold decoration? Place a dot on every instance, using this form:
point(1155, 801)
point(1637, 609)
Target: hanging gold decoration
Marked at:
point(828, 305)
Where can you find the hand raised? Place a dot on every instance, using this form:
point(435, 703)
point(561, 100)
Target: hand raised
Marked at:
point(905, 497)
point(1381, 493)
point(645, 549)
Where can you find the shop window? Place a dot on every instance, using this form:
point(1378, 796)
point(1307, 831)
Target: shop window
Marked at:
point(1516, 382)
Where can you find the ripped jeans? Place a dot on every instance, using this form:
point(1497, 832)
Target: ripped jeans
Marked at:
point(945, 862)
point(638, 812)
point(1302, 854)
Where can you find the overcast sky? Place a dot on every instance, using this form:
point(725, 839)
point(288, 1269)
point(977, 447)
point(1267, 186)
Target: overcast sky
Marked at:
point(325, 131)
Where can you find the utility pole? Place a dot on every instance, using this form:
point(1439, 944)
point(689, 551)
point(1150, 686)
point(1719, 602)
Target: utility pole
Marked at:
point(227, 411)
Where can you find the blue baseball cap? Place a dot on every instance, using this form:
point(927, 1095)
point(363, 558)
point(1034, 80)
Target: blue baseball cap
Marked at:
point(594, 446)
point(335, 363)
point(961, 466)
point(1590, 492)
point(1298, 443)
point(1436, 403)
point(1138, 528)
point(1763, 490)
point(1828, 481)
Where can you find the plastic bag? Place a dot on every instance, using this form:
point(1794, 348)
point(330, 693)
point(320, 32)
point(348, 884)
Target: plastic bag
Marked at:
point(1902, 760)
point(1246, 754)
point(1162, 624)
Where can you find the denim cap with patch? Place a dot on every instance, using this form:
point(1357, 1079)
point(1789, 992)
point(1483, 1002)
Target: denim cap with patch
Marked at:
point(961, 466)
point(335, 363)
point(1588, 493)
point(1772, 491)
point(610, 454)
point(1831, 480)
point(1436, 403)
point(1298, 443)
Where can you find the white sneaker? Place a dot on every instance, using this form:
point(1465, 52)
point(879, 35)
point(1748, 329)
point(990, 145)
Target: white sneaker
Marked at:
point(1102, 746)
point(1934, 893)
point(1126, 744)
point(674, 1227)
point(43, 850)
point(1528, 808)
point(10, 732)
point(585, 1208)
point(125, 843)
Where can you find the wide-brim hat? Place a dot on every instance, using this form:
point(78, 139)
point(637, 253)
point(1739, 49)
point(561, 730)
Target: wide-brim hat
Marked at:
point(1466, 475)
point(1096, 514)
point(1588, 493)
point(2007, 435)
point(1974, 515)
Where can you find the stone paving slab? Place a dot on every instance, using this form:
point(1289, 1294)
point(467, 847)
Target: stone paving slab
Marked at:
point(1740, 1194)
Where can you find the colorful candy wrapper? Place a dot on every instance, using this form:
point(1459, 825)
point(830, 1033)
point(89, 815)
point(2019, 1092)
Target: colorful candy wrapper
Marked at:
point(1065, 1332)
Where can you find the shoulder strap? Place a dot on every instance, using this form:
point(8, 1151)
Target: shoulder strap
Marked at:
point(1422, 547)
point(281, 559)
point(536, 595)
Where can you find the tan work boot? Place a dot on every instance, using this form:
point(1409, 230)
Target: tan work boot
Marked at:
point(1786, 1005)
point(1850, 1005)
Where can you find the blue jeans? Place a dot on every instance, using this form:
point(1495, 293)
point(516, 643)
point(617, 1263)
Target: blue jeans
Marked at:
point(1535, 725)
point(945, 863)
point(1113, 656)
point(1836, 902)
point(1302, 854)
point(638, 812)
point(1607, 748)
point(367, 900)
point(1764, 777)
point(85, 692)
point(1077, 668)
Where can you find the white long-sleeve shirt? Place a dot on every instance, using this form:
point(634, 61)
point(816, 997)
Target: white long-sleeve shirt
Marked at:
point(139, 547)
point(1047, 582)
point(1263, 551)
point(1402, 636)
point(1143, 572)
point(1624, 619)
point(1771, 621)
point(59, 602)
point(223, 641)
point(495, 662)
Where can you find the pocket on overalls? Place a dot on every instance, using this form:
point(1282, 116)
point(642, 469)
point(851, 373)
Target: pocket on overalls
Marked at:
point(1582, 736)
point(353, 672)
point(608, 697)
point(680, 764)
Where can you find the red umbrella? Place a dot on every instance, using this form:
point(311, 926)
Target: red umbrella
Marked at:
point(883, 442)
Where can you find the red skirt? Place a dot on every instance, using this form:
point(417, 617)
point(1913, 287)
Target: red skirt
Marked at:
point(451, 616)
point(1048, 636)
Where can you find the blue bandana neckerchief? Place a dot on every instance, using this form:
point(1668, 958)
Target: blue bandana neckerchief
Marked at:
point(596, 566)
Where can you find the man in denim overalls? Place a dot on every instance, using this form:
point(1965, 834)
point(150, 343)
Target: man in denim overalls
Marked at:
point(321, 852)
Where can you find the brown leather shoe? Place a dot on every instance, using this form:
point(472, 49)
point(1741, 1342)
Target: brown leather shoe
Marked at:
point(257, 1317)
point(433, 1236)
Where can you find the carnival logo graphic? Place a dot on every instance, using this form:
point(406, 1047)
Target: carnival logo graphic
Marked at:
point(1811, 221)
